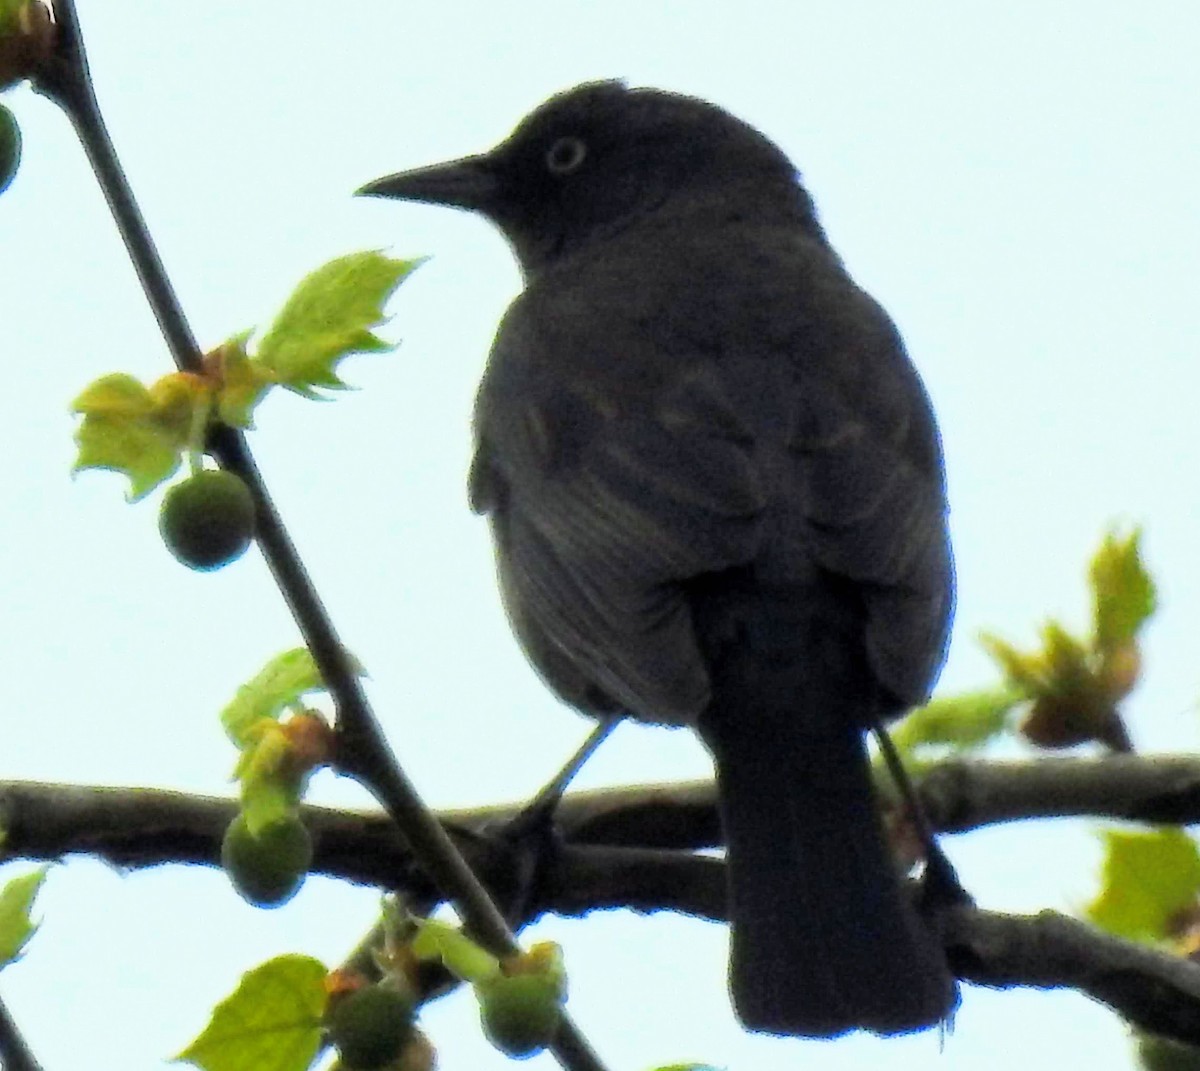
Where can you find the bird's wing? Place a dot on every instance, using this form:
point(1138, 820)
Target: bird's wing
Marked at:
point(868, 484)
point(621, 457)
point(599, 514)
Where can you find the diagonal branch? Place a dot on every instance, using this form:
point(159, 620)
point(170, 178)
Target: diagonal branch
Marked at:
point(365, 753)
point(15, 1054)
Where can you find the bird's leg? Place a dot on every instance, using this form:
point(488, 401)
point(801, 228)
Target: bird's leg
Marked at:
point(532, 832)
point(540, 809)
point(940, 884)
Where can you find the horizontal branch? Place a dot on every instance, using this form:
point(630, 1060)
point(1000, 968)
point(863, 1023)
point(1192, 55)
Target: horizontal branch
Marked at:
point(958, 795)
point(964, 794)
point(133, 827)
point(1155, 991)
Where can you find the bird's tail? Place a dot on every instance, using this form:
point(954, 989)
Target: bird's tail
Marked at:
point(824, 938)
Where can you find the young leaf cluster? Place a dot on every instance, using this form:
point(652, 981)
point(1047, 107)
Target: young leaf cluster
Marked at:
point(1074, 685)
point(267, 850)
point(1069, 689)
point(145, 432)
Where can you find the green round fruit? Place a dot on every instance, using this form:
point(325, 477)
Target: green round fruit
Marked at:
point(520, 1012)
point(207, 520)
point(370, 1027)
point(267, 870)
point(10, 147)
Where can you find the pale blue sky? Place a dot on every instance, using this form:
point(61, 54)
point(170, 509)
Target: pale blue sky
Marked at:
point(1016, 183)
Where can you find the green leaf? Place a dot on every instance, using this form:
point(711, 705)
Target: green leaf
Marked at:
point(687, 1067)
point(272, 1021)
point(330, 315)
point(268, 792)
point(1062, 667)
point(1022, 672)
point(244, 382)
point(10, 15)
point(271, 782)
point(1123, 593)
point(266, 801)
point(137, 430)
point(16, 902)
point(139, 449)
point(461, 956)
point(276, 687)
point(1068, 668)
point(114, 395)
point(1148, 879)
point(959, 722)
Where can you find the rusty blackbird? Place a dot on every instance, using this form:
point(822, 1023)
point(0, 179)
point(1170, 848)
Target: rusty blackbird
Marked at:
point(716, 492)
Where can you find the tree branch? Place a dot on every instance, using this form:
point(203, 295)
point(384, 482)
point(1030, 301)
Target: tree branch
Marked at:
point(958, 795)
point(15, 1054)
point(364, 752)
point(1157, 991)
point(133, 827)
point(963, 794)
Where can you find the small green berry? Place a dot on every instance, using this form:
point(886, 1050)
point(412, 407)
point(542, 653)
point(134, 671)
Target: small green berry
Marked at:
point(520, 1012)
point(207, 520)
point(10, 147)
point(370, 1027)
point(267, 870)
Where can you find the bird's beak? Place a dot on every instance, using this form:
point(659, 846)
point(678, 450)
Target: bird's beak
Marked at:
point(465, 183)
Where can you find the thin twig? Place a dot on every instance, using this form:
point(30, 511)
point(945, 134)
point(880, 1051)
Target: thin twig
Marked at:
point(543, 805)
point(941, 885)
point(366, 753)
point(15, 1054)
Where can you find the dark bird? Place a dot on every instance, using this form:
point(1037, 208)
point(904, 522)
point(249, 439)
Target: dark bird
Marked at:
point(716, 491)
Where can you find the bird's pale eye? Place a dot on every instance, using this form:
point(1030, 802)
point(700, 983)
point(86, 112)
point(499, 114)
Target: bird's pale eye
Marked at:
point(566, 155)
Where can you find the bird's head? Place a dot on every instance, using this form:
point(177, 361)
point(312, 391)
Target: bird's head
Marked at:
point(595, 158)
